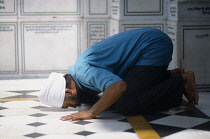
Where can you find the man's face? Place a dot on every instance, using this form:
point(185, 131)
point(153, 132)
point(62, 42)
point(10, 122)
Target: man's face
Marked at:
point(69, 102)
point(71, 96)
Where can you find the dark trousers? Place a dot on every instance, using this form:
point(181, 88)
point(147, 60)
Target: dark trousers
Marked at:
point(150, 88)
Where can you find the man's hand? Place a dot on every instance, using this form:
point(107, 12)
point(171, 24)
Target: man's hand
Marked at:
point(84, 115)
point(110, 95)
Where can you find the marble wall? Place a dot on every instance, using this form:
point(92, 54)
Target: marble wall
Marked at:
point(38, 37)
point(41, 36)
point(188, 25)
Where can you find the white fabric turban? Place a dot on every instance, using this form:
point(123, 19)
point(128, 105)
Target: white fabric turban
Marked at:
point(53, 92)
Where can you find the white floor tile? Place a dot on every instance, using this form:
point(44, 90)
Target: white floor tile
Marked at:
point(59, 128)
point(36, 93)
point(113, 135)
point(4, 94)
point(14, 137)
point(20, 104)
point(41, 104)
point(55, 119)
point(17, 120)
point(18, 112)
point(62, 137)
point(189, 134)
point(107, 126)
point(180, 121)
point(60, 111)
point(15, 130)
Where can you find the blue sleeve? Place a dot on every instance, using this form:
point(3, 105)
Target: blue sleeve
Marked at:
point(96, 78)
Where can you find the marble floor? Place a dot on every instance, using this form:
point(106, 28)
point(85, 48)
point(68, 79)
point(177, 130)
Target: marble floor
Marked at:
point(22, 116)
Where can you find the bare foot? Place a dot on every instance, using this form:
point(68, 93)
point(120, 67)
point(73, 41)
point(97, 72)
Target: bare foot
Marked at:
point(190, 90)
point(177, 71)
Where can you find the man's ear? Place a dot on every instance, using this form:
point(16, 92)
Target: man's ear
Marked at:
point(68, 92)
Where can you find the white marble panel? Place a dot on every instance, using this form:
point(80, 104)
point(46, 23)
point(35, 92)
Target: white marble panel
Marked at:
point(196, 52)
point(96, 8)
point(8, 53)
point(50, 7)
point(191, 47)
point(8, 7)
point(142, 7)
point(97, 31)
point(138, 9)
point(49, 46)
point(184, 10)
point(129, 25)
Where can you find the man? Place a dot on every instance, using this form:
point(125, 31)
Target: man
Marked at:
point(130, 68)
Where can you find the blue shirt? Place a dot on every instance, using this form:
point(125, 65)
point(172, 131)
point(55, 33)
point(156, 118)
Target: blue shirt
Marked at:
point(111, 59)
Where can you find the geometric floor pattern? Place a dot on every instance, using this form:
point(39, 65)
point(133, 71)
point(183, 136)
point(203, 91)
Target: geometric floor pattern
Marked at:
point(26, 119)
point(178, 123)
point(31, 119)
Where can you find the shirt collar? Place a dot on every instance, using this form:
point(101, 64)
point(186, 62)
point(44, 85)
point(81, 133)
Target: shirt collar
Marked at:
point(73, 75)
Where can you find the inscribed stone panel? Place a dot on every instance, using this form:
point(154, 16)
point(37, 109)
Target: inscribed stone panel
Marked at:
point(49, 46)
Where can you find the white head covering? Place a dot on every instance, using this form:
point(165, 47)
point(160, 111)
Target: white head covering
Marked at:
point(54, 92)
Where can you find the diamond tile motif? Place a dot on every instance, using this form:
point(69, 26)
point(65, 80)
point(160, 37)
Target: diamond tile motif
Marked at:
point(5, 94)
point(31, 119)
point(24, 91)
point(34, 135)
point(130, 130)
point(36, 124)
point(20, 104)
point(2, 108)
point(164, 130)
point(193, 113)
point(84, 133)
point(82, 122)
point(39, 107)
point(154, 116)
point(38, 115)
point(123, 120)
point(204, 126)
point(21, 96)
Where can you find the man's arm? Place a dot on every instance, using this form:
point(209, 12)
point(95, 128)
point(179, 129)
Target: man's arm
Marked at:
point(110, 96)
